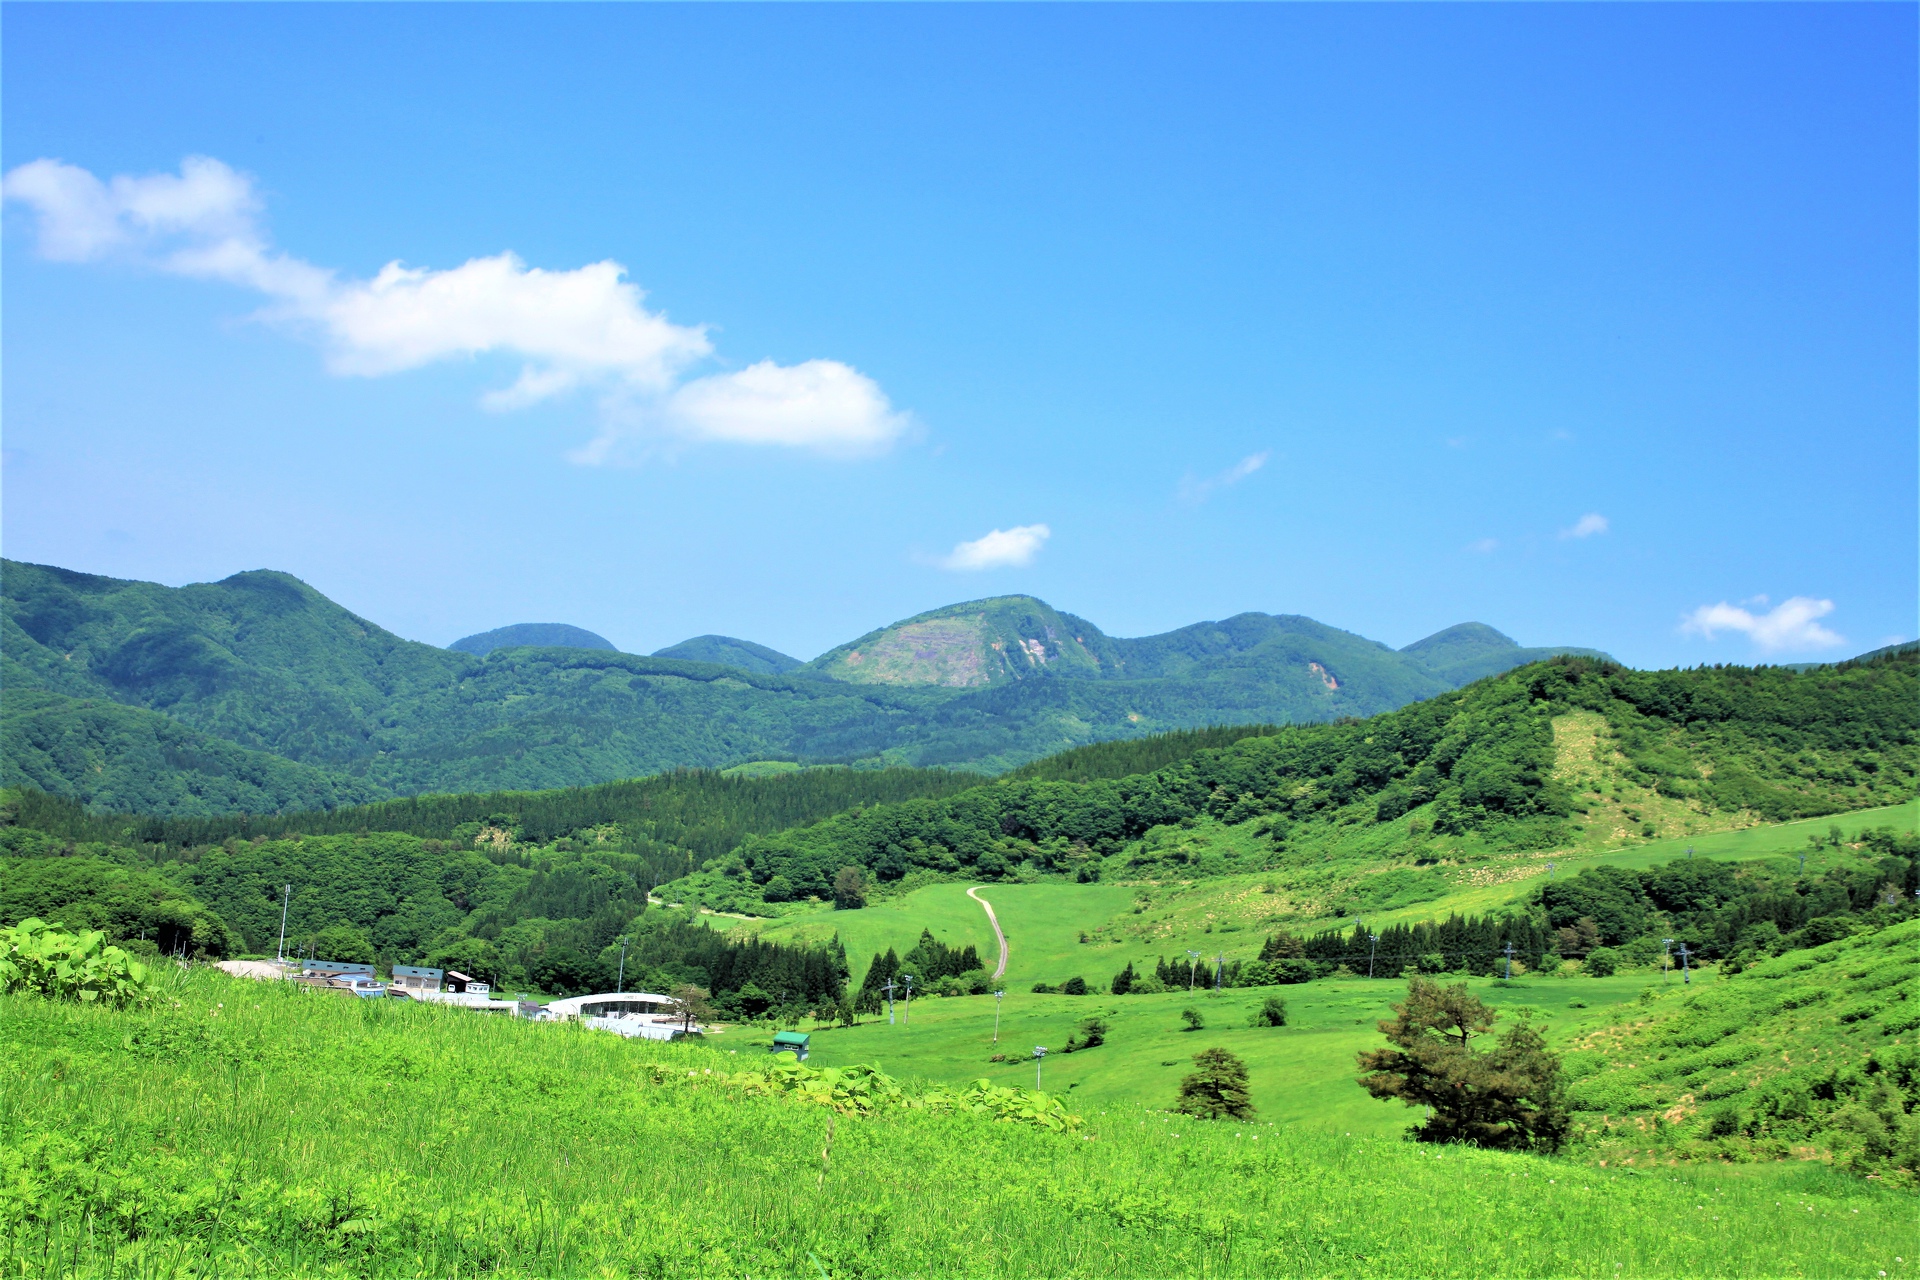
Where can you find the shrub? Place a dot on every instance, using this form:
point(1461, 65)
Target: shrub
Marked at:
point(1193, 1019)
point(1218, 1090)
point(1074, 986)
point(37, 958)
point(1043, 988)
point(1287, 971)
point(1271, 1013)
point(1602, 961)
point(1092, 1033)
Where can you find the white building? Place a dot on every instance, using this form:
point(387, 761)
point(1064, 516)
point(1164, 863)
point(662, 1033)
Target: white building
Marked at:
point(629, 1013)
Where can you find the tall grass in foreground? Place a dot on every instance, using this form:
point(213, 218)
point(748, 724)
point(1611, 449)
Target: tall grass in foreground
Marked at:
point(254, 1129)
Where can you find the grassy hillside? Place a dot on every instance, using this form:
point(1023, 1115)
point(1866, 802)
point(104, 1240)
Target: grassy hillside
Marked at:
point(197, 1138)
point(1566, 755)
point(265, 663)
point(1810, 1054)
point(1301, 1075)
point(1058, 928)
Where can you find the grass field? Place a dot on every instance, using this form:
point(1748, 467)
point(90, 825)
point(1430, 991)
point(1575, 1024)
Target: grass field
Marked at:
point(1232, 915)
point(1301, 1074)
point(256, 1129)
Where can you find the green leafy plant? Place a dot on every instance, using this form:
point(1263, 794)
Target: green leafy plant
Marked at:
point(38, 958)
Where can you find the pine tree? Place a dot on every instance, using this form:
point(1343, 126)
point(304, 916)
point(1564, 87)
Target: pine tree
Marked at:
point(1510, 1096)
point(1218, 1090)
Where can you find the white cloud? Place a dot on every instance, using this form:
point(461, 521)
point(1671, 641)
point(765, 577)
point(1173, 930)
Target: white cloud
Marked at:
point(1586, 526)
point(1792, 624)
point(1000, 549)
point(1484, 545)
point(822, 403)
point(1196, 491)
point(583, 329)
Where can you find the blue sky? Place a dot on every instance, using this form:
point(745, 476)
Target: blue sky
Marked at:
point(1594, 323)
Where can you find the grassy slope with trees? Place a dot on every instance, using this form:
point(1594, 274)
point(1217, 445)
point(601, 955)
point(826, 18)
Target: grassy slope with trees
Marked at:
point(1487, 765)
point(193, 1137)
point(263, 662)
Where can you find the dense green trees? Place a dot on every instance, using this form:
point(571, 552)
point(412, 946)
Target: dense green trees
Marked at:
point(1511, 1095)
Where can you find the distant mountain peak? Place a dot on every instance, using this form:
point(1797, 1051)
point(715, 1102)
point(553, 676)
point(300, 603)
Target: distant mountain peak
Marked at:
point(730, 652)
point(978, 642)
point(545, 635)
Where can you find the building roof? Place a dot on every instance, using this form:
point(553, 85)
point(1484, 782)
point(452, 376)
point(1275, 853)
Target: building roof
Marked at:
point(414, 971)
point(791, 1037)
point(571, 1006)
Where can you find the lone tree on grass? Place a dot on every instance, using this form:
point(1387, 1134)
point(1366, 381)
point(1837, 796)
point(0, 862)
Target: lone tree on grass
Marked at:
point(1193, 1019)
point(1218, 1090)
point(1511, 1095)
point(849, 889)
point(689, 1004)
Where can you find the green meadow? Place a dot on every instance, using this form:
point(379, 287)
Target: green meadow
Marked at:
point(1300, 1075)
point(254, 1129)
point(1057, 929)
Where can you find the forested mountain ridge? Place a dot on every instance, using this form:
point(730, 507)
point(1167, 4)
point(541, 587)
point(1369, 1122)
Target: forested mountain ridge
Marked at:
point(537, 635)
point(1011, 638)
point(262, 662)
point(729, 652)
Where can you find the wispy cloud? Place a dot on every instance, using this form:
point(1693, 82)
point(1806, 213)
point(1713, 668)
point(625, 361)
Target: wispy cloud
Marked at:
point(1791, 624)
point(1586, 526)
point(585, 329)
point(1484, 545)
point(1193, 491)
point(1002, 548)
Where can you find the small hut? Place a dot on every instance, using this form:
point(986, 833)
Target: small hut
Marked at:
point(794, 1042)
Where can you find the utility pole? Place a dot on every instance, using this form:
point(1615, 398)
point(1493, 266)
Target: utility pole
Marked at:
point(906, 1005)
point(620, 983)
point(997, 997)
point(1039, 1052)
point(1509, 976)
point(286, 896)
point(1666, 958)
point(1549, 871)
point(1193, 967)
point(1218, 962)
point(889, 990)
point(1373, 945)
point(1685, 970)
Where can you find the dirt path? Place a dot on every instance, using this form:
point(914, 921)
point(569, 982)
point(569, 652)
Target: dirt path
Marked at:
point(993, 920)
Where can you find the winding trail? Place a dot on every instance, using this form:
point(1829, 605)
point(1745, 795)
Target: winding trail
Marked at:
point(993, 920)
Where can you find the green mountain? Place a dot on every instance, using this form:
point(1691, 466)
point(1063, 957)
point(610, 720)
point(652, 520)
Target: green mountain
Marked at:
point(728, 652)
point(264, 663)
point(1471, 651)
point(126, 760)
point(539, 635)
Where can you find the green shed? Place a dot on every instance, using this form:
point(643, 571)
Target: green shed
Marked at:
point(794, 1042)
